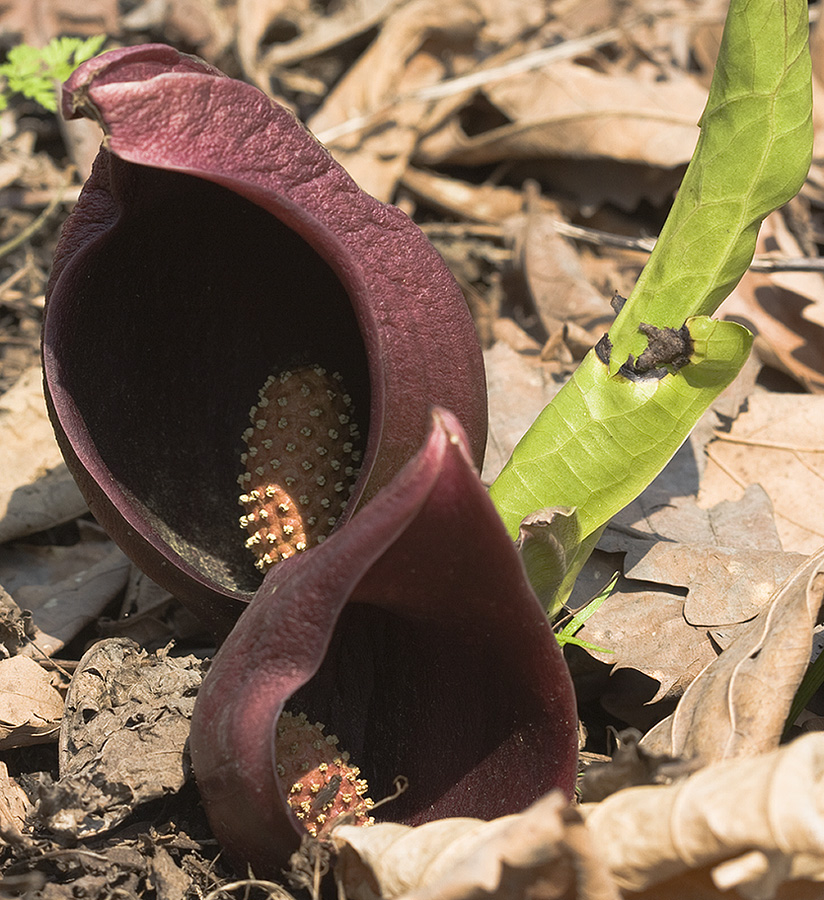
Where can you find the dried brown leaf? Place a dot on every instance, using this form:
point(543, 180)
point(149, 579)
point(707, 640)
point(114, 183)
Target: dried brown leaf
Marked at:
point(667, 511)
point(647, 622)
point(645, 630)
point(410, 53)
point(557, 286)
point(752, 824)
point(728, 556)
point(36, 490)
point(170, 880)
point(541, 852)
point(777, 443)
point(569, 110)
point(144, 614)
point(726, 586)
point(738, 705)
point(518, 390)
point(275, 33)
point(373, 119)
point(784, 309)
point(38, 21)
point(61, 609)
point(30, 706)
point(123, 737)
point(15, 805)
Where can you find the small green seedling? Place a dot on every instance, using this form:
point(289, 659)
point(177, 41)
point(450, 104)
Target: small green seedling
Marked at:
point(636, 396)
point(567, 634)
point(33, 71)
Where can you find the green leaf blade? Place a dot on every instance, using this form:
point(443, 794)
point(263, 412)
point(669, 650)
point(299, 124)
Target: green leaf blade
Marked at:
point(33, 72)
point(752, 156)
point(604, 438)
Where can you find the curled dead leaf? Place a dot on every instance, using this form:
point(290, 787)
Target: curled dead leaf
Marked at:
point(36, 490)
point(543, 851)
point(30, 706)
point(566, 109)
point(123, 737)
point(15, 806)
point(738, 705)
point(752, 825)
point(296, 30)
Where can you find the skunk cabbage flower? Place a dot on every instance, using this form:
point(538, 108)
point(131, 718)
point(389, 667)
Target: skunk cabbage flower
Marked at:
point(412, 634)
point(242, 352)
point(215, 249)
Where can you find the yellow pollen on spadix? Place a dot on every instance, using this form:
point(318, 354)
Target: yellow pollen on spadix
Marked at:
point(318, 779)
point(302, 459)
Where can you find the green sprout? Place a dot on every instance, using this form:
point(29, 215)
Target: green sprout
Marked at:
point(33, 72)
point(636, 396)
point(567, 634)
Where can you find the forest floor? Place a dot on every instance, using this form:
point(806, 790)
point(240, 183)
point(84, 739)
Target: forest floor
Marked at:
point(539, 147)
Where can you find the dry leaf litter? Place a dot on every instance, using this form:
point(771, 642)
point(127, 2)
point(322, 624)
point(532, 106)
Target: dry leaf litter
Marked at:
point(539, 147)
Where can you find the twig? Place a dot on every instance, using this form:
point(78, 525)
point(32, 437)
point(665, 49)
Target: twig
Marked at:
point(763, 263)
point(31, 229)
point(594, 236)
point(771, 445)
point(275, 889)
point(26, 198)
point(12, 280)
point(525, 63)
point(451, 86)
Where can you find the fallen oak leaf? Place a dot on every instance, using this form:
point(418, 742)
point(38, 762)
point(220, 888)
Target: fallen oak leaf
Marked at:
point(692, 580)
point(738, 705)
point(728, 556)
point(777, 443)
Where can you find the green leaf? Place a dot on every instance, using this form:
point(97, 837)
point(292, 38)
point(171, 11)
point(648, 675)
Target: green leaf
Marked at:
point(752, 156)
point(63, 55)
point(42, 93)
point(609, 432)
point(604, 438)
point(33, 72)
point(23, 60)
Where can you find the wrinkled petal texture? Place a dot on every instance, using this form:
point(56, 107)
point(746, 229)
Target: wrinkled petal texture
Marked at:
point(413, 635)
point(216, 243)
